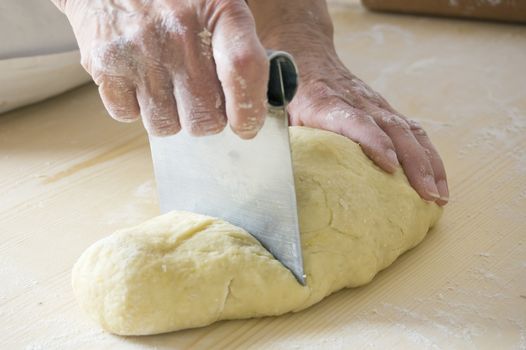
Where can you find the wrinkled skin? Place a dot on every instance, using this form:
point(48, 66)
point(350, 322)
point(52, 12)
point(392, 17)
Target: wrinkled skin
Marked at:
point(340, 102)
point(158, 59)
point(332, 98)
point(199, 64)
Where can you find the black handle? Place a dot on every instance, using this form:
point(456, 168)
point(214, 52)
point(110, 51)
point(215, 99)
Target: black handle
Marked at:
point(281, 63)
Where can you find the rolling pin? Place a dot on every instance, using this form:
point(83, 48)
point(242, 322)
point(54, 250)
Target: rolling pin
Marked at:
point(497, 10)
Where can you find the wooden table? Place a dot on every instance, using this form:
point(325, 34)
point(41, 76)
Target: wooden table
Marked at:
point(69, 175)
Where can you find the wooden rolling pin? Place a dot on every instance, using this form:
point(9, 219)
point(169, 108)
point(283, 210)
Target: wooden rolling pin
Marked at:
point(498, 10)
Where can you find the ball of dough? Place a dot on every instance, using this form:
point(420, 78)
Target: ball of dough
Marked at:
point(183, 270)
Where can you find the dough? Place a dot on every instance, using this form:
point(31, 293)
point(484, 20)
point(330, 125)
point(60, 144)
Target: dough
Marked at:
point(183, 270)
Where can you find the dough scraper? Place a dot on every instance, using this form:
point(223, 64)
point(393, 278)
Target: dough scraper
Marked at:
point(248, 183)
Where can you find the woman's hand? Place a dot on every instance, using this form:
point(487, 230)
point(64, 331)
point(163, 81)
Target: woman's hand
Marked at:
point(330, 97)
point(193, 64)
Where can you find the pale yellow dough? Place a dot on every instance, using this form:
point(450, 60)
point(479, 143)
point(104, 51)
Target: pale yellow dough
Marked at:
point(183, 270)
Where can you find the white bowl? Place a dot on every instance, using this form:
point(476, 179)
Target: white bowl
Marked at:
point(38, 53)
point(31, 79)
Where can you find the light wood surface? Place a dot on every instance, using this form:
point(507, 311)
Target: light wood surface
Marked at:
point(495, 10)
point(69, 175)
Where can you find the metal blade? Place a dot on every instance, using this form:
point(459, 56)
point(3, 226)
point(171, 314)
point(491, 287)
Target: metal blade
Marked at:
point(248, 183)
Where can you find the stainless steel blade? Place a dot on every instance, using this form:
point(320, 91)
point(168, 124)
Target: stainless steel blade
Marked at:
point(249, 183)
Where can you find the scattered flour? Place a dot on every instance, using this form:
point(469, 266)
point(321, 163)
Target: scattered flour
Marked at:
point(172, 24)
point(206, 37)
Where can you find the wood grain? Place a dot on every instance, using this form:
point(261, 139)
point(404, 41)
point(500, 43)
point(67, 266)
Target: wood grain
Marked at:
point(69, 175)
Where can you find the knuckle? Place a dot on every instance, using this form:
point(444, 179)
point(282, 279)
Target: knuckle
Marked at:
point(363, 89)
point(358, 118)
point(394, 121)
point(416, 128)
point(164, 127)
point(114, 58)
point(365, 119)
point(384, 141)
point(233, 11)
point(153, 39)
point(160, 113)
point(194, 128)
point(205, 126)
point(322, 95)
point(378, 140)
point(115, 86)
point(425, 170)
point(320, 88)
point(249, 61)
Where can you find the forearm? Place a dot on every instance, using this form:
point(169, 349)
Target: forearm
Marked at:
point(296, 17)
point(302, 28)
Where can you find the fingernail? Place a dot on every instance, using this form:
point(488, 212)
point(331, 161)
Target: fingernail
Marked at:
point(443, 190)
point(391, 155)
point(431, 187)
